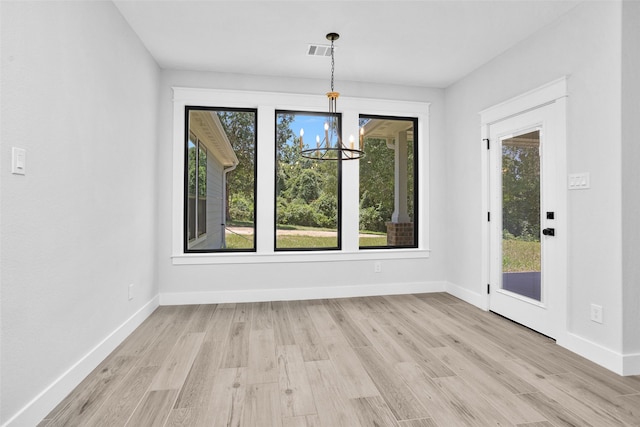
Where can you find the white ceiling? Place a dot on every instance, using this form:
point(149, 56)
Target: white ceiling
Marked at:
point(418, 43)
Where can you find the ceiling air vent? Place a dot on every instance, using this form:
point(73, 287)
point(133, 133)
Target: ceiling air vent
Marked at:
point(319, 50)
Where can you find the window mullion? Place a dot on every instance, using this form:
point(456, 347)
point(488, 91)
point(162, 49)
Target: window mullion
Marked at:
point(350, 186)
point(265, 180)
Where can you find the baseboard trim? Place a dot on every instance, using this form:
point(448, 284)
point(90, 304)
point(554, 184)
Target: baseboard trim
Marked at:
point(631, 364)
point(292, 294)
point(45, 401)
point(466, 295)
point(621, 364)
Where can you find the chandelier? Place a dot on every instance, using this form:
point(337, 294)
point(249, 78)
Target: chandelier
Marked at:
point(332, 147)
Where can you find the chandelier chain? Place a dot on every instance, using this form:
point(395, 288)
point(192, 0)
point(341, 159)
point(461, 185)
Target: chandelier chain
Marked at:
point(332, 65)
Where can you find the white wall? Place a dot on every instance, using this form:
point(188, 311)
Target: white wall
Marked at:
point(295, 280)
point(584, 45)
point(631, 175)
point(79, 93)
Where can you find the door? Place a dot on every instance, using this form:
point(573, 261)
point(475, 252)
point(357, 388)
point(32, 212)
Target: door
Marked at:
point(526, 234)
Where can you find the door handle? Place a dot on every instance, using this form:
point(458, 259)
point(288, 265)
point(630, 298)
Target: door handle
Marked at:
point(549, 231)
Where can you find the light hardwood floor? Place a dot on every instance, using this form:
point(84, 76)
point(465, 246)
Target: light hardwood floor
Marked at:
point(406, 361)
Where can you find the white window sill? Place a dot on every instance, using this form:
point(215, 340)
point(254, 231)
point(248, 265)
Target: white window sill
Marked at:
point(306, 256)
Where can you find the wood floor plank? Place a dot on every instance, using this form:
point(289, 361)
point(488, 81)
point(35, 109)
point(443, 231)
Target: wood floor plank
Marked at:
point(363, 308)
point(632, 402)
point(243, 313)
point(333, 408)
point(577, 364)
point(426, 306)
point(154, 326)
point(346, 324)
point(373, 411)
point(352, 308)
point(154, 408)
point(354, 379)
point(124, 399)
point(228, 397)
point(418, 349)
point(296, 396)
point(188, 417)
point(198, 386)
point(441, 297)
point(383, 343)
point(323, 322)
point(504, 332)
point(159, 349)
point(599, 395)
point(444, 411)
point(262, 357)
point(494, 367)
point(595, 415)
point(305, 421)
point(220, 324)
point(201, 318)
point(262, 406)
point(471, 339)
point(485, 384)
point(305, 332)
point(422, 422)
point(470, 402)
point(261, 316)
point(237, 345)
point(537, 424)
point(282, 326)
point(85, 400)
point(176, 367)
point(409, 315)
point(395, 392)
point(294, 422)
point(450, 399)
point(554, 411)
point(412, 305)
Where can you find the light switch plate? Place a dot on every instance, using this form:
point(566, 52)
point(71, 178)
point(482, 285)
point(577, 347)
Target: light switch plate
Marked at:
point(579, 181)
point(18, 161)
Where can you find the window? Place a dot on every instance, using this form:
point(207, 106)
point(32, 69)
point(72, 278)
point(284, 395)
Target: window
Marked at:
point(220, 179)
point(226, 210)
point(388, 193)
point(307, 191)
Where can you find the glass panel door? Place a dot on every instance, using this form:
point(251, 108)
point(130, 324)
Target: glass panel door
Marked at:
point(521, 251)
point(527, 223)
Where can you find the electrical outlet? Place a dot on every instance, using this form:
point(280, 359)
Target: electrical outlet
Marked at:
point(377, 267)
point(130, 291)
point(596, 313)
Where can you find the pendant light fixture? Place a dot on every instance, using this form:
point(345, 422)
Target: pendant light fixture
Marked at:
point(332, 148)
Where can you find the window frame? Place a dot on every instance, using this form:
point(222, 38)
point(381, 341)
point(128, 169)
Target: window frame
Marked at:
point(198, 144)
point(339, 189)
point(266, 103)
point(416, 181)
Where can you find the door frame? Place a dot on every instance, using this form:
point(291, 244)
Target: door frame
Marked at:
point(554, 92)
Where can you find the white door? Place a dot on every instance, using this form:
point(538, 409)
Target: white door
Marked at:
point(527, 231)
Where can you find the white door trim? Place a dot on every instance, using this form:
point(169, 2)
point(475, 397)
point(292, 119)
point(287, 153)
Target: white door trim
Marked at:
point(552, 92)
point(535, 98)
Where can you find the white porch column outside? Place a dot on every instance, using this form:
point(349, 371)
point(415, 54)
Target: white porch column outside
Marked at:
point(400, 183)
